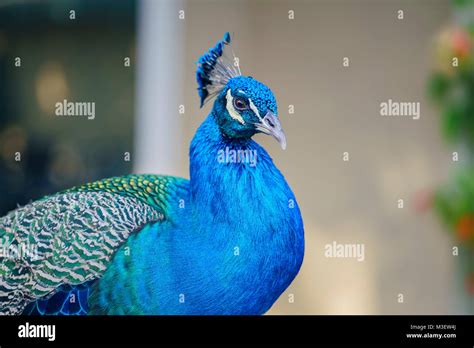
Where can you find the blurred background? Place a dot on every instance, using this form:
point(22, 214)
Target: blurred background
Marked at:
point(136, 61)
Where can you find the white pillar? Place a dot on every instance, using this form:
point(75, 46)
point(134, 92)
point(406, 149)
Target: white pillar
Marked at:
point(158, 138)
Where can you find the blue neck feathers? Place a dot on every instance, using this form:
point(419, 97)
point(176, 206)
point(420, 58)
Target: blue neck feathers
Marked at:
point(248, 223)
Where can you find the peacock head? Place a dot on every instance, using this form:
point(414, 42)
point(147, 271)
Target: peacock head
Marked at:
point(243, 105)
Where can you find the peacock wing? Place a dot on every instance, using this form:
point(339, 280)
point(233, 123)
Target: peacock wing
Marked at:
point(69, 238)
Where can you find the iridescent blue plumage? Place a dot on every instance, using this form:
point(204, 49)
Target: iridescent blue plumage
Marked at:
point(66, 301)
point(228, 241)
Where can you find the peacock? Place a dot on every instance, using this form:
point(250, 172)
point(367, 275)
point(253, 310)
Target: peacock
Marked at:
point(228, 241)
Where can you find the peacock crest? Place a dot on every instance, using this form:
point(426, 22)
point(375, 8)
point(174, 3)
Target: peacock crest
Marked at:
point(215, 69)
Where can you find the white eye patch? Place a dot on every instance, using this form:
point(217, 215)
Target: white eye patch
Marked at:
point(230, 108)
point(254, 109)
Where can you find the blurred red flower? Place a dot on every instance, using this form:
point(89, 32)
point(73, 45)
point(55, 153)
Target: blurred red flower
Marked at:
point(461, 43)
point(465, 227)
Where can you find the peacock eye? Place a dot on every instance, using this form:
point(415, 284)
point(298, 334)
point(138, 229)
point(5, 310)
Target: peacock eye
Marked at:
point(240, 104)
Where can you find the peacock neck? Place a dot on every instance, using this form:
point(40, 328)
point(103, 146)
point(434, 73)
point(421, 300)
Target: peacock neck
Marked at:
point(244, 226)
point(229, 175)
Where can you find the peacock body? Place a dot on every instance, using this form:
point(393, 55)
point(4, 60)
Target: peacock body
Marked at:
point(227, 241)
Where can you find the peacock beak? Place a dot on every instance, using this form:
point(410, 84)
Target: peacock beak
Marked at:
point(271, 125)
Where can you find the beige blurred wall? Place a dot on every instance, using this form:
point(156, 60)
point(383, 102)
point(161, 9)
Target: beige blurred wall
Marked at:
point(337, 110)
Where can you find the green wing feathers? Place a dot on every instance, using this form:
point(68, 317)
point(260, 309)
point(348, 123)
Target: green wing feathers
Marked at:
point(160, 191)
point(71, 237)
